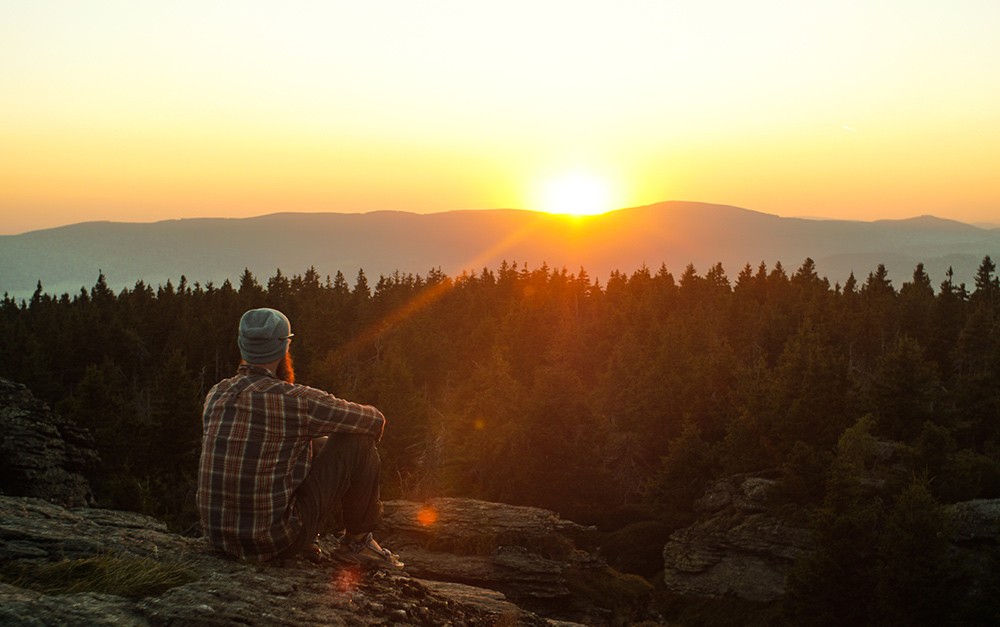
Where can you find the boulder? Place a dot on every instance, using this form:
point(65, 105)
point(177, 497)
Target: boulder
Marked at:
point(41, 453)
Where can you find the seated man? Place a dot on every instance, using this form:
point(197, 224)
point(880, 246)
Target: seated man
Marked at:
point(263, 490)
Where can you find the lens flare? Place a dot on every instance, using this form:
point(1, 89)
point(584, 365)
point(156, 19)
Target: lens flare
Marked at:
point(427, 516)
point(346, 580)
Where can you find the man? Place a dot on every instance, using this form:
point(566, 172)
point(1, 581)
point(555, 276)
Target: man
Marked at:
point(264, 491)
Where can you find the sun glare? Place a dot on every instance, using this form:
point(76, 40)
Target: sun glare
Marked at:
point(577, 194)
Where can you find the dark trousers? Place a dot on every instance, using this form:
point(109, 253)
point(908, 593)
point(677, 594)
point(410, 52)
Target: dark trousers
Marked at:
point(346, 474)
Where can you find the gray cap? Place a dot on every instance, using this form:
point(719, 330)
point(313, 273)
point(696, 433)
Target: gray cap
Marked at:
point(264, 335)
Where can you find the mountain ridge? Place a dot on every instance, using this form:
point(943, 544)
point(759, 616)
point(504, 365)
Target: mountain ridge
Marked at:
point(670, 233)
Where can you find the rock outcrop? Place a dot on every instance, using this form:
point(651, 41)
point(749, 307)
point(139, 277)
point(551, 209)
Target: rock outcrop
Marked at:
point(527, 553)
point(41, 453)
point(975, 522)
point(38, 538)
point(743, 545)
point(739, 547)
point(468, 563)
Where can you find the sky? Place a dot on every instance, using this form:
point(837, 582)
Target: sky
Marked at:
point(143, 111)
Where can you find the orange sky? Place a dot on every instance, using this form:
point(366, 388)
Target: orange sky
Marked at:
point(118, 110)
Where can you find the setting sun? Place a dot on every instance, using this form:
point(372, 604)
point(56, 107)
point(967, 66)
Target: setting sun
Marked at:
point(578, 193)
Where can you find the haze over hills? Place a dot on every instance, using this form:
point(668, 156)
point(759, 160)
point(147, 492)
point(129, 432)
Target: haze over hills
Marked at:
point(672, 233)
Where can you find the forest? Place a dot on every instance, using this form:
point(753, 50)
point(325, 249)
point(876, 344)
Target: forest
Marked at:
point(612, 404)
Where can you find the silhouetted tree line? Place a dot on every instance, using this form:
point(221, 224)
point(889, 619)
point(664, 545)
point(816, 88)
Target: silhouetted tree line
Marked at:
point(607, 403)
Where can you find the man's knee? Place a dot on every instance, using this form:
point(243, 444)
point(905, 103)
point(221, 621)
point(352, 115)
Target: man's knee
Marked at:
point(359, 441)
point(351, 448)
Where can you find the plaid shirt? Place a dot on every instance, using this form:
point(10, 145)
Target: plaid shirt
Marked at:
point(256, 449)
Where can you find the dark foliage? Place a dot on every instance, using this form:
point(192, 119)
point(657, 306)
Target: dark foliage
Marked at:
point(542, 387)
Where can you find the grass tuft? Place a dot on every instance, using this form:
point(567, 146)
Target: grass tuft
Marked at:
point(132, 577)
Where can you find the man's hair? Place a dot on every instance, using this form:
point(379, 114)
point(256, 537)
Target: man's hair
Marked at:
point(285, 370)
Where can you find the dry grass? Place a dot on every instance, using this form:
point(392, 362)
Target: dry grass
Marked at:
point(133, 577)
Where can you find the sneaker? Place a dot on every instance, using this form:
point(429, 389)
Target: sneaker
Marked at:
point(367, 552)
point(314, 553)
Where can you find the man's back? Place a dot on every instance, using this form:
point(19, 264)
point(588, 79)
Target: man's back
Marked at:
point(253, 458)
point(256, 451)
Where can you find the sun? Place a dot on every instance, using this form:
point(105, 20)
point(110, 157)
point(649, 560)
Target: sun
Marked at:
point(577, 194)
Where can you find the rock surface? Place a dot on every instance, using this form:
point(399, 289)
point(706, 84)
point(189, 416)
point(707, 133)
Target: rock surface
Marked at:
point(738, 547)
point(975, 521)
point(521, 551)
point(41, 453)
point(744, 546)
point(220, 591)
point(527, 553)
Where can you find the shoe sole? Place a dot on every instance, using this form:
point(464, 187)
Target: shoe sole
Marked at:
point(367, 564)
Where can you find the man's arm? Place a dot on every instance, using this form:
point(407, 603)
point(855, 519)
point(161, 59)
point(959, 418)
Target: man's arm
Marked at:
point(328, 414)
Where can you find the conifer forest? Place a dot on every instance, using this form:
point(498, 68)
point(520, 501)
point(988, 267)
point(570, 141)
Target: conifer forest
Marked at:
point(611, 402)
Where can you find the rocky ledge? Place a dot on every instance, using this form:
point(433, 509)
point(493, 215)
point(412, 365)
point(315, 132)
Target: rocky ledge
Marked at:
point(743, 545)
point(536, 559)
point(739, 547)
point(520, 567)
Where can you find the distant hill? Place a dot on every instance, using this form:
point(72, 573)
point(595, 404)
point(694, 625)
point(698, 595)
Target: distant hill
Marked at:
point(672, 233)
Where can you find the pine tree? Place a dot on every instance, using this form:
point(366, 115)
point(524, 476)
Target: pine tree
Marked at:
point(904, 390)
point(987, 287)
point(836, 585)
point(914, 585)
